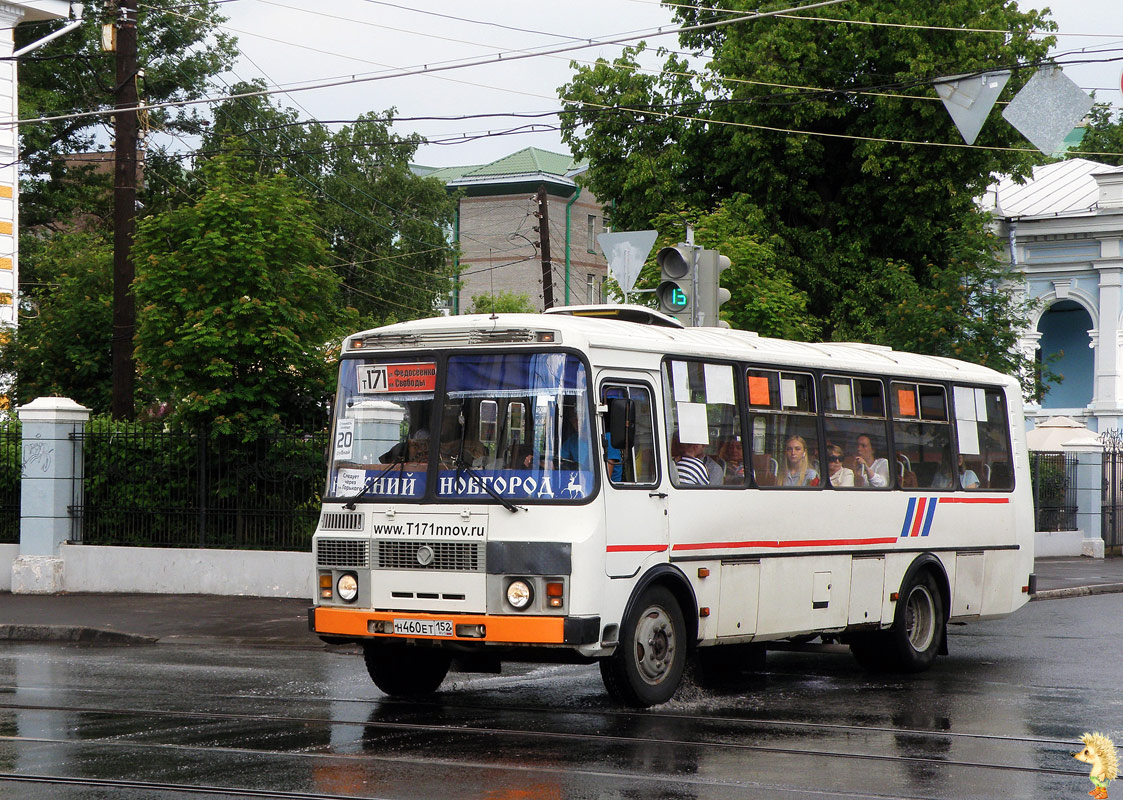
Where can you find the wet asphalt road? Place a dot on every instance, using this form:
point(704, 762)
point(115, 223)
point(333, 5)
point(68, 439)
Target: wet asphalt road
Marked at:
point(997, 718)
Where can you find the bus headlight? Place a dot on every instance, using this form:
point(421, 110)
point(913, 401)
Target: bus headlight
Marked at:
point(519, 594)
point(348, 587)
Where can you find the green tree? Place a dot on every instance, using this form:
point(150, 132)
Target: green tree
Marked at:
point(1103, 137)
point(387, 226)
point(501, 303)
point(237, 310)
point(62, 344)
point(762, 295)
point(858, 212)
point(179, 49)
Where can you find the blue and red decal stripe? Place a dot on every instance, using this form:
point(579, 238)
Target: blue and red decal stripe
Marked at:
point(922, 510)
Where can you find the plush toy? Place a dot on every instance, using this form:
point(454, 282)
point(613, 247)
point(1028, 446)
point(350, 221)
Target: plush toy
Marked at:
point(1099, 751)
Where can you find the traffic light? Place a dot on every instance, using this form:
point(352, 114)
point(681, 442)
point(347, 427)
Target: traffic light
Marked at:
point(711, 264)
point(675, 292)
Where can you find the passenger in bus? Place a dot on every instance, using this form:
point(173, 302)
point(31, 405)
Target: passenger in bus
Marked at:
point(798, 469)
point(967, 477)
point(613, 461)
point(839, 475)
point(869, 469)
point(734, 457)
point(691, 465)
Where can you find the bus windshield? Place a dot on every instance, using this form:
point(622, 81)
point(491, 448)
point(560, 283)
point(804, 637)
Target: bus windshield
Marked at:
point(516, 423)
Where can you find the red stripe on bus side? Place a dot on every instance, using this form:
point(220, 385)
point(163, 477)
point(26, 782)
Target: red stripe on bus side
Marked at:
point(796, 543)
point(999, 500)
point(918, 520)
point(636, 548)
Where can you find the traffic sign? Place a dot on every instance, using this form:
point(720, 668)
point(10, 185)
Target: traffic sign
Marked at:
point(626, 251)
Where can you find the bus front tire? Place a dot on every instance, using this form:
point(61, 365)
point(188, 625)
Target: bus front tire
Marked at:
point(403, 671)
point(919, 626)
point(647, 667)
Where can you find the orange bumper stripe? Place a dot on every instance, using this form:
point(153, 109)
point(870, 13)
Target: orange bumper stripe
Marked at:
point(514, 630)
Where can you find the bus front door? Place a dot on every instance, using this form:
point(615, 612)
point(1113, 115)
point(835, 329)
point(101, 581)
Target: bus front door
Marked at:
point(637, 529)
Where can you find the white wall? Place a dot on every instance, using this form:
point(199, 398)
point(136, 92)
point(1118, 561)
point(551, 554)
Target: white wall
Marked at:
point(252, 573)
point(8, 553)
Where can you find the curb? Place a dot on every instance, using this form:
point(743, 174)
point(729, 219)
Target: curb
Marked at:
point(1078, 591)
point(67, 633)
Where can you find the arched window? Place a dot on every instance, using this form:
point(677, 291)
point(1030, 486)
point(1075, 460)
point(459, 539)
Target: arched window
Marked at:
point(1064, 330)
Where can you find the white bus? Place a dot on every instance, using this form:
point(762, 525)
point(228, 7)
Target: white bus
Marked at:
point(601, 484)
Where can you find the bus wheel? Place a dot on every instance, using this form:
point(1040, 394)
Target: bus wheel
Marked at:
point(647, 666)
point(914, 640)
point(403, 671)
point(918, 628)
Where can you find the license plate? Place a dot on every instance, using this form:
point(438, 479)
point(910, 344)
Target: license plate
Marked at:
point(423, 627)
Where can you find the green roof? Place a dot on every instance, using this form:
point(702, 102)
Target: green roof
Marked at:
point(528, 161)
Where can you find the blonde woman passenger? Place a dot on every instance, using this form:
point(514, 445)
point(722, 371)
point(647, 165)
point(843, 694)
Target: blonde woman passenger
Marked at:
point(797, 467)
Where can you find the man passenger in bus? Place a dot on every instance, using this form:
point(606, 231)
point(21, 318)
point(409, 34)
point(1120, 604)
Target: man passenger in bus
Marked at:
point(691, 466)
point(839, 475)
point(613, 461)
point(798, 470)
point(870, 470)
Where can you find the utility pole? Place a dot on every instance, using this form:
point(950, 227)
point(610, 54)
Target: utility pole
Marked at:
point(544, 239)
point(124, 211)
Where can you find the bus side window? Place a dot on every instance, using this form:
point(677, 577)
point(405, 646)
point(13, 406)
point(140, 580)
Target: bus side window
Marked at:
point(854, 412)
point(983, 434)
point(922, 436)
point(635, 467)
point(785, 437)
point(704, 425)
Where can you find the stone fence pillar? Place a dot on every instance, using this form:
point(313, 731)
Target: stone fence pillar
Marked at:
point(51, 481)
point(1089, 495)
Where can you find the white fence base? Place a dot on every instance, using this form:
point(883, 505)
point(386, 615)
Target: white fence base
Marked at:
point(157, 570)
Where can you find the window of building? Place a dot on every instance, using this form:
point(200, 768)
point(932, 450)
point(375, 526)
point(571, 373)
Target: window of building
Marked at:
point(592, 234)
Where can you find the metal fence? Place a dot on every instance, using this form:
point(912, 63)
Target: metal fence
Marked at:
point(1111, 520)
point(147, 486)
point(1053, 476)
point(10, 467)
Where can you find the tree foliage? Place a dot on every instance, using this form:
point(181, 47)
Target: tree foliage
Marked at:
point(179, 49)
point(237, 309)
point(386, 225)
point(1103, 137)
point(853, 206)
point(62, 347)
point(501, 303)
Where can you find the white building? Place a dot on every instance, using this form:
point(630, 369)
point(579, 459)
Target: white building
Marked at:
point(12, 14)
point(1065, 227)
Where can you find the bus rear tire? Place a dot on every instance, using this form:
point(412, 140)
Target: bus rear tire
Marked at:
point(647, 667)
point(918, 631)
point(403, 671)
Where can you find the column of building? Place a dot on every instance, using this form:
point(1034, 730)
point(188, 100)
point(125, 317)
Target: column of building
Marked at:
point(10, 16)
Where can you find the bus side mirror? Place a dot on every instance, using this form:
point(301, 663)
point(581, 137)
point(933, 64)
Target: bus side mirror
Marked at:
point(621, 423)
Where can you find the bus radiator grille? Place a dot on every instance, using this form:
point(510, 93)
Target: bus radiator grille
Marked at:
point(448, 556)
point(343, 553)
point(332, 521)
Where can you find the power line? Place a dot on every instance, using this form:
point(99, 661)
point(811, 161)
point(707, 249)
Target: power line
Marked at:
point(424, 69)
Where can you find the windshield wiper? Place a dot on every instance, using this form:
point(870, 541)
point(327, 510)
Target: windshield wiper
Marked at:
point(462, 467)
point(400, 463)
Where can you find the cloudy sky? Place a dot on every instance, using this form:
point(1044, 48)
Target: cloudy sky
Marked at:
point(293, 43)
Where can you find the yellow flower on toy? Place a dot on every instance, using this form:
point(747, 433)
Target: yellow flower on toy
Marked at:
point(1099, 751)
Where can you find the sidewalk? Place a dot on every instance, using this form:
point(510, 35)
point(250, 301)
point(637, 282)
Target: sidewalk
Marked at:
point(283, 622)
